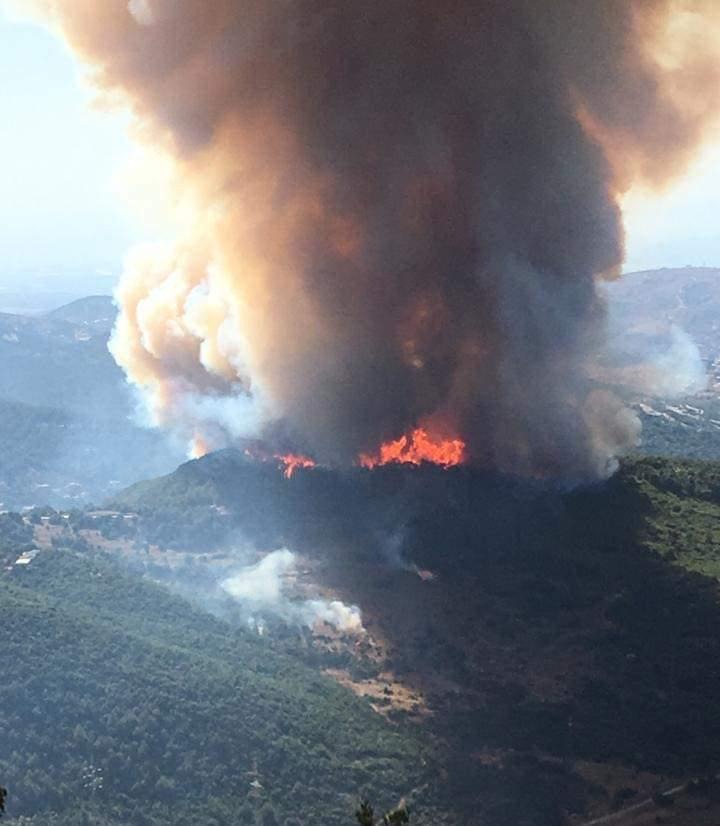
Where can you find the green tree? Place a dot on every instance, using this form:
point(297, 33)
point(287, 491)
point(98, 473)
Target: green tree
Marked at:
point(366, 815)
point(397, 816)
point(3, 798)
point(267, 816)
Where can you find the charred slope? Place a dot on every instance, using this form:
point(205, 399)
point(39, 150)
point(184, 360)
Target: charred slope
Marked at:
point(567, 640)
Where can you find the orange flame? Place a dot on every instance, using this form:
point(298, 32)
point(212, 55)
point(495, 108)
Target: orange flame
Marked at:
point(415, 448)
point(293, 461)
point(289, 462)
point(199, 448)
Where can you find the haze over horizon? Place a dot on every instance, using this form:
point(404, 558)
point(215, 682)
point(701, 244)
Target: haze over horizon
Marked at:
point(62, 221)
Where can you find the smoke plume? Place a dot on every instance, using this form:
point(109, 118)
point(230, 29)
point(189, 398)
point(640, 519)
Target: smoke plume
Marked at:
point(394, 213)
point(260, 588)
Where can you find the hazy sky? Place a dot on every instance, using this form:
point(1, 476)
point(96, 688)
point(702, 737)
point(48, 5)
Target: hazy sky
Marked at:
point(681, 226)
point(59, 207)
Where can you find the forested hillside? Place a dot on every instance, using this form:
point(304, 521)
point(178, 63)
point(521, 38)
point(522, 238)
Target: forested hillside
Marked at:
point(123, 705)
point(565, 643)
point(67, 434)
point(51, 456)
point(531, 654)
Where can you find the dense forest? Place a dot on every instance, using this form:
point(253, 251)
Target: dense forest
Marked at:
point(562, 630)
point(605, 588)
point(68, 432)
point(124, 705)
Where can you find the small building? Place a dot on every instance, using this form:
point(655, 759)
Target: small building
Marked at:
point(104, 514)
point(27, 557)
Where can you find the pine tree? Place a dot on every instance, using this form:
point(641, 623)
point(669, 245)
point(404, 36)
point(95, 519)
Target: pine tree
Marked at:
point(366, 815)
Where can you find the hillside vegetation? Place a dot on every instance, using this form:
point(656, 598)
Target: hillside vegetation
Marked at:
point(67, 434)
point(124, 705)
point(561, 649)
point(566, 641)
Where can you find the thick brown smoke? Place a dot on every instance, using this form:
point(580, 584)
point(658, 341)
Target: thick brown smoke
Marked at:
point(398, 210)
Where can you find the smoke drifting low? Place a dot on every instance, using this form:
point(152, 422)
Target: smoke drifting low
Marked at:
point(259, 588)
point(395, 212)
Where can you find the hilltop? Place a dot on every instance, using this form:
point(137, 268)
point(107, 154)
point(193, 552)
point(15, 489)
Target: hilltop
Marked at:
point(96, 312)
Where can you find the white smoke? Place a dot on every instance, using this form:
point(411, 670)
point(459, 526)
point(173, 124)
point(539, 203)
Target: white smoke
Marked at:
point(654, 359)
point(142, 12)
point(261, 584)
point(234, 417)
point(679, 370)
point(336, 614)
point(261, 587)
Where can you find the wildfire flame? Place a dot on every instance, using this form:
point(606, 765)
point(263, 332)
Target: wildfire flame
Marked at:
point(414, 448)
point(293, 461)
point(289, 462)
point(417, 447)
point(198, 448)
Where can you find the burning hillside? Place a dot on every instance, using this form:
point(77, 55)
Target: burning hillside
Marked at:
point(553, 653)
point(389, 216)
point(417, 447)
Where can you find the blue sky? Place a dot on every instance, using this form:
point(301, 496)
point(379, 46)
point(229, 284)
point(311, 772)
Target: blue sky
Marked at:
point(60, 161)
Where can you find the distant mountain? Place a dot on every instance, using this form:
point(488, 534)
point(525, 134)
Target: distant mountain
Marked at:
point(647, 309)
point(67, 458)
point(96, 312)
point(48, 361)
point(689, 297)
point(40, 289)
point(66, 431)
